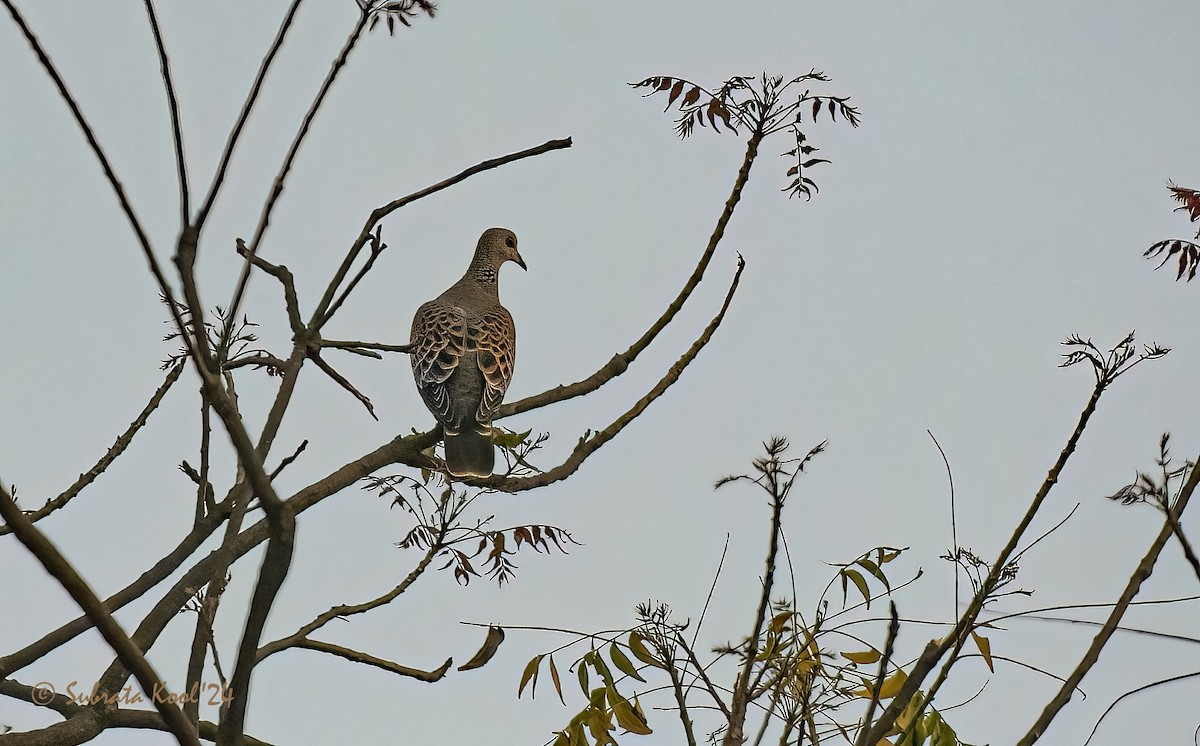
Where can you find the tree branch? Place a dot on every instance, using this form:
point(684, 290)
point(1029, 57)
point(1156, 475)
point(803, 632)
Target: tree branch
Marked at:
point(339, 612)
point(1140, 574)
point(236, 132)
point(322, 313)
point(111, 455)
point(280, 178)
point(74, 584)
point(620, 362)
point(370, 660)
point(591, 445)
point(164, 66)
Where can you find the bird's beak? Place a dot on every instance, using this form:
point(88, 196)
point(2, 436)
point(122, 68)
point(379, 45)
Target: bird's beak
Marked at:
point(521, 263)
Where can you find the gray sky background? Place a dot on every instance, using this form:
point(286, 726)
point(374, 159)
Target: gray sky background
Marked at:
point(1009, 172)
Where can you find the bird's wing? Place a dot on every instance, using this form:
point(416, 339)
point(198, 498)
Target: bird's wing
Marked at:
point(438, 337)
point(495, 338)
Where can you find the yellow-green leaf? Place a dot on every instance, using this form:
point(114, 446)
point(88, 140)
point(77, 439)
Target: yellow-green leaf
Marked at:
point(629, 718)
point(985, 649)
point(530, 672)
point(622, 662)
point(890, 688)
point(582, 673)
point(779, 621)
point(866, 657)
point(637, 646)
point(873, 568)
point(859, 582)
point(556, 680)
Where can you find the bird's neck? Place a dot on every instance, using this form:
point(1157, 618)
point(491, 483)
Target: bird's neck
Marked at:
point(482, 275)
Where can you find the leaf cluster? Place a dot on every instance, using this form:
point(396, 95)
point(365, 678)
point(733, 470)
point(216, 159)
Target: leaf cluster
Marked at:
point(761, 106)
point(1118, 360)
point(440, 527)
point(396, 11)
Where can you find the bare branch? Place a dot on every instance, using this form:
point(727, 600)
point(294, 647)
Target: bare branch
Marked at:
point(281, 273)
point(370, 660)
point(341, 381)
point(118, 190)
point(620, 362)
point(111, 455)
point(591, 445)
point(322, 313)
point(340, 612)
point(936, 649)
point(270, 362)
point(1139, 576)
point(236, 132)
point(377, 247)
point(164, 65)
point(283, 464)
point(364, 348)
point(280, 178)
point(74, 584)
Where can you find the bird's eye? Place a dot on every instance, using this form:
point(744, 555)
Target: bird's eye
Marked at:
point(510, 242)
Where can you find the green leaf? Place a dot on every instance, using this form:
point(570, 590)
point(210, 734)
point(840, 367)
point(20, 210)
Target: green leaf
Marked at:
point(627, 717)
point(557, 681)
point(638, 647)
point(623, 663)
point(873, 568)
point(859, 582)
point(509, 439)
point(582, 673)
point(530, 672)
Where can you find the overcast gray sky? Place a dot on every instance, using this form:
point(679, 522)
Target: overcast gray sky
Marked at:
point(1009, 171)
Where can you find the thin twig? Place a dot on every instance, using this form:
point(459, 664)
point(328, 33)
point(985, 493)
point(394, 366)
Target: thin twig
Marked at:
point(377, 247)
point(283, 464)
point(953, 515)
point(111, 455)
point(281, 178)
point(936, 649)
point(321, 313)
point(58, 566)
point(236, 132)
point(370, 660)
point(621, 362)
point(711, 590)
point(113, 182)
point(340, 612)
point(284, 275)
point(592, 444)
point(364, 348)
point(344, 383)
point(889, 645)
point(164, 66)
point(1139, 576)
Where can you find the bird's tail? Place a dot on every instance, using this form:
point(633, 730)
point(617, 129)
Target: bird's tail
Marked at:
point(469, 453)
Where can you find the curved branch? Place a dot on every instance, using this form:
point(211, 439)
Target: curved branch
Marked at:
point(323, 312)
point(244, 114)
point(74, 584)
point(277, 186)
point(592, 444)
point(1140, 574)
point(621, 361)
point(301, 635)
point(116, 450)
point(164, 66)
point(360, 657)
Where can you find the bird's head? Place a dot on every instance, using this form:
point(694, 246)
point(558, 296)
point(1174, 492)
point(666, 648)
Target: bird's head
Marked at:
point(499, 245)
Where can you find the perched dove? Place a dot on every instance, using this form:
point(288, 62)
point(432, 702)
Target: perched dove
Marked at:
point(464, 345)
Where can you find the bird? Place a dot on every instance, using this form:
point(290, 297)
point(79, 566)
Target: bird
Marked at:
point(463, 347)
